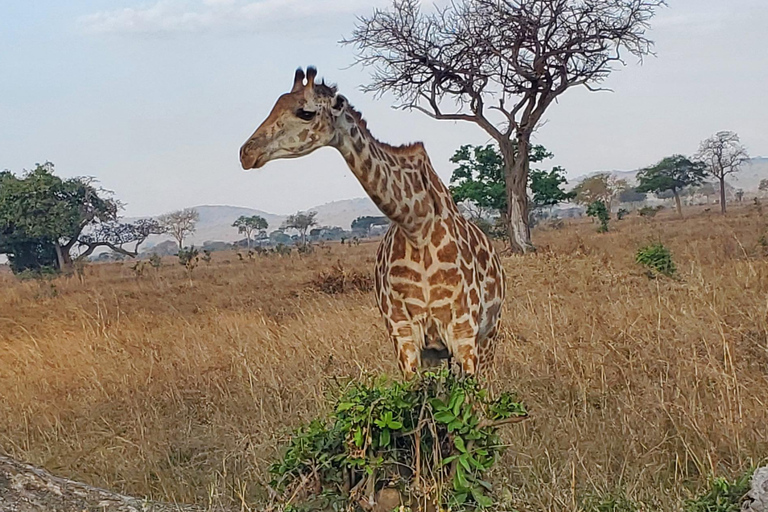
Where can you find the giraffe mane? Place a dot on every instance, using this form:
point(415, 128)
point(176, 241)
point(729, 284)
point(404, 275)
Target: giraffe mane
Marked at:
point(362, 124)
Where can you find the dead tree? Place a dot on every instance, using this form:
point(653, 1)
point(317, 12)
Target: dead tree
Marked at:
point(723, 154)
point(499, 64)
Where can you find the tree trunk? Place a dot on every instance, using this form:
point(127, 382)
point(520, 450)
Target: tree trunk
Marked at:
point(25, 488)
point(677, 203)
point(516, 177)
point(63, 258)
point(722, 195)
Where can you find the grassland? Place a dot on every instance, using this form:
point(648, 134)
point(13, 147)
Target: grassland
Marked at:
point(181, 387)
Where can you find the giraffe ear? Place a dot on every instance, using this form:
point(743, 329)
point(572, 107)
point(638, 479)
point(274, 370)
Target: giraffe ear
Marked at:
point(298, 80)
point(339, 104)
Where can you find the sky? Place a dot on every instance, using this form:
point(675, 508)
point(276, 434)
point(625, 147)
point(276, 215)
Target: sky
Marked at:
point(155, 97)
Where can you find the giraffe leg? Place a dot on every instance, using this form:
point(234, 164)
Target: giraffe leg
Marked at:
point(408, 355)
point(465, 353)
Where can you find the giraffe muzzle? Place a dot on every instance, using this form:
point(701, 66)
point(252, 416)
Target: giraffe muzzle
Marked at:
point(252, 156)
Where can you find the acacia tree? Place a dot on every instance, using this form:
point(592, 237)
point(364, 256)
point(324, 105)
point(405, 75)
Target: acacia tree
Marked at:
point(247, 225)
point(367, 222)
point(600, 187)
point(499, 64)
point(46, 221)
point(672, 174)
point(723, 154)
point(301, 222)
point(180, 224)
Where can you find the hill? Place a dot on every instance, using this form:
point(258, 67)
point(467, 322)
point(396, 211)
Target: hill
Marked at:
point(747, 179)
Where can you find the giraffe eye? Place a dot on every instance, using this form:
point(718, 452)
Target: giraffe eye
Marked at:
point(306, 115)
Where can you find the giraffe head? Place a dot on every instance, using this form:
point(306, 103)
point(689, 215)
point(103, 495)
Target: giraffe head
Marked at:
point(301, 121)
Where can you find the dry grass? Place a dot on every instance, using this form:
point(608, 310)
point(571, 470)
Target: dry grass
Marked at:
point(181, 387)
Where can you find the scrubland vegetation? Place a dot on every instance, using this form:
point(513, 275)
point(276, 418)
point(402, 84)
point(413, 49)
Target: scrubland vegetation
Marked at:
point(183, 385)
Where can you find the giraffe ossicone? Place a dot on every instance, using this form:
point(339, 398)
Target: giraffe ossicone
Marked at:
point(439, 281)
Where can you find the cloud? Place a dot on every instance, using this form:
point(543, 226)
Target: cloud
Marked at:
point(179, 16)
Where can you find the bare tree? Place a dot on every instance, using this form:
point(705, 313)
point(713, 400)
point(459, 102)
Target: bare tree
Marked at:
point(723, 154)
point(301, 221)
point(180, 224)
point(499, 64)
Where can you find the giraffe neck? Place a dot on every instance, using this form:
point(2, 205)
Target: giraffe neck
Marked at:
point(399, 180)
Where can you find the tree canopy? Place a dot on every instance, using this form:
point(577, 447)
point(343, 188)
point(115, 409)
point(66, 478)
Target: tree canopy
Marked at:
point(722, 154)
point(499, 64)
point(247, 225)
point(479, 180)
point(367, 222)
point(46, 221)
point(180, 224)
point(672, 174)
point(301, 222)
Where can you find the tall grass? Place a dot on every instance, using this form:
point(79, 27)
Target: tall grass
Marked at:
point(181, 386)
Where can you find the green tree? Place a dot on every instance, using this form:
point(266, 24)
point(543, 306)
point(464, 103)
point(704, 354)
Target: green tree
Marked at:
point(631, 195)
point(500, 65)
point(366, 223)
point(672, 174)
point(46, 221)
point(247, 225)
point(547, 187)
point(600, 212)
point(301, 222)
point(600, 187)
point(478, 181)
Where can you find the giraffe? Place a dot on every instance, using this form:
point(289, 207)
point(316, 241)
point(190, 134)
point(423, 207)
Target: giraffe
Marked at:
point(439, 282)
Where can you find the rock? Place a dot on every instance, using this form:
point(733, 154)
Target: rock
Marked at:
point(25, 488)
point(756, 499)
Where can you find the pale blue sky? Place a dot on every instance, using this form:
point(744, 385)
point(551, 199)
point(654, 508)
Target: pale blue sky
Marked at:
point(154, 98)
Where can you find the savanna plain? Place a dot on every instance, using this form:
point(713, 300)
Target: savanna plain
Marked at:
point(182, 386)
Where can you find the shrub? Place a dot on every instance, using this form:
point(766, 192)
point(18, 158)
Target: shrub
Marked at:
point(427, 440)
point(338, 280)
point(657, 259)
point(599, 211)
point(155, 260)
point(189, 258)
point(623, 212)
point(649, 212)
point(723, 495)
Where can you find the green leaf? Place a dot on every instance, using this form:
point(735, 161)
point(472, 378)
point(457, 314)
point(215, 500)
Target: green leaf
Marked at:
point(464, 461)
point(459, 444)
point(384, 438)
point(454, 425)
point(344, 406)
point(481, 499)
point(358, 437)
point(437, 405)
point(460, 482)
point(395, 425)
point(450, 459)
point(444, 417)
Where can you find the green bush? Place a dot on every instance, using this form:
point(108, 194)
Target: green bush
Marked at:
point(657, 259)
point(723, 495)
point(599, 210)
point(430, 439)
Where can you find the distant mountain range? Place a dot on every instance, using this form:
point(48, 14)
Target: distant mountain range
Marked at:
point(215, 222)
point(747, 179)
